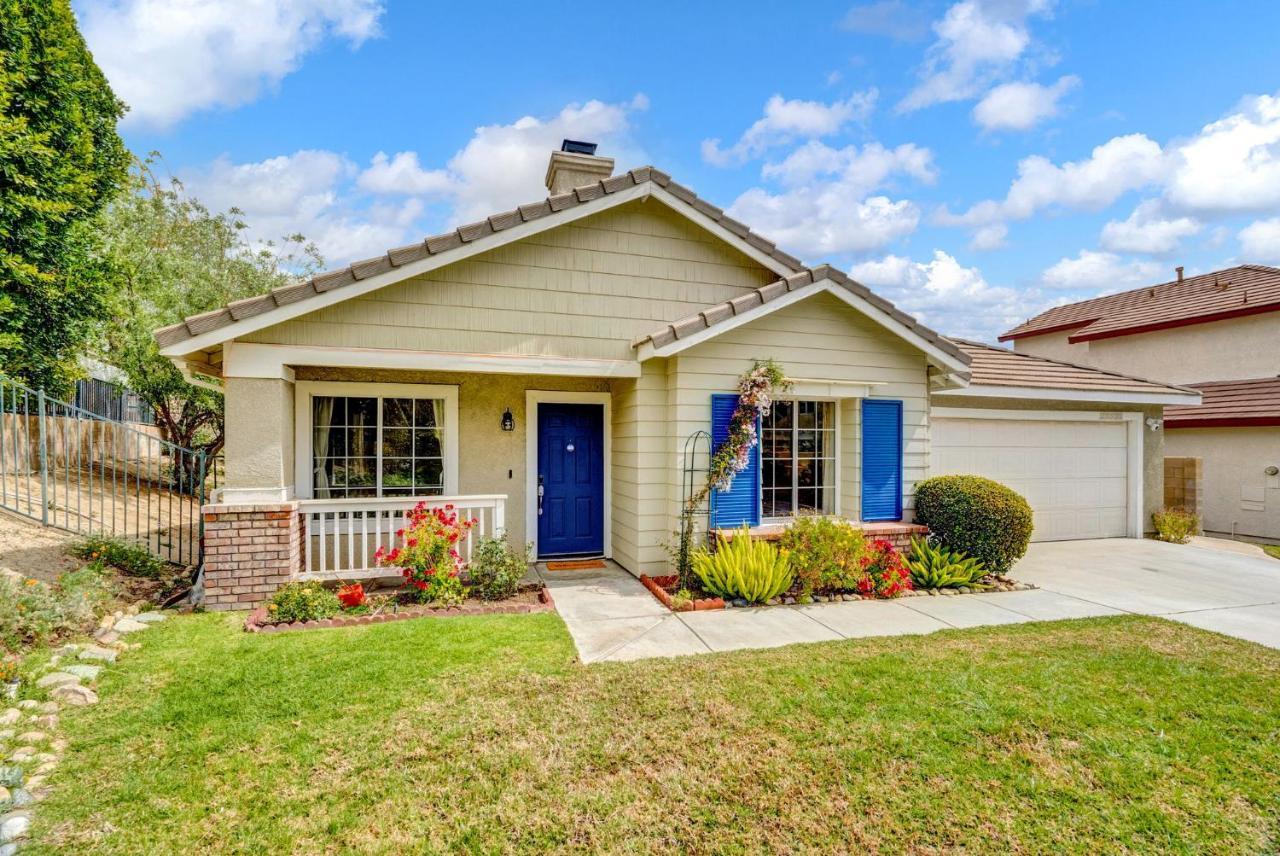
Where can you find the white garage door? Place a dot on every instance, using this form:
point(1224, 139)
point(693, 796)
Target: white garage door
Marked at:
point(1072, 473)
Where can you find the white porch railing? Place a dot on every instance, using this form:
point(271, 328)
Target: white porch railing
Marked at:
point(342, 535)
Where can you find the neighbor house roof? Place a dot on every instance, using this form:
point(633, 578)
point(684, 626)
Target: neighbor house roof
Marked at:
point(990, 366)
point(451, 242)
point(1230, 293)
point(1230, 403)
point(799, 284)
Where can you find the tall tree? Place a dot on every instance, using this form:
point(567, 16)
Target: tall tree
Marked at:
point(170, 257)
point(61, 161)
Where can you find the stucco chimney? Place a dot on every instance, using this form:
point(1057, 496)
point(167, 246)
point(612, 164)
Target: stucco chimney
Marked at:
point(574, 165)
point(1179, 270)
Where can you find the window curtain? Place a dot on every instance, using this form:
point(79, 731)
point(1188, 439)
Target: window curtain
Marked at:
point(321, 422)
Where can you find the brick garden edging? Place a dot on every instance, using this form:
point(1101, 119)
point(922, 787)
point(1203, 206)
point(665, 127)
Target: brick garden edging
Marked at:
point(257, 623)
point(655, 585)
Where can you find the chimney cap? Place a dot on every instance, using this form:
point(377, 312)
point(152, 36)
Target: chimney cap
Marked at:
point(578, 147)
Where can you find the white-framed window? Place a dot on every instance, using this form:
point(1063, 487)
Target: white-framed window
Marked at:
point(376, 440)
point(798, 458)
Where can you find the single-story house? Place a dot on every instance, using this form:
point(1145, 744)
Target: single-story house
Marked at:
point(1217, 332)
point(544, 369)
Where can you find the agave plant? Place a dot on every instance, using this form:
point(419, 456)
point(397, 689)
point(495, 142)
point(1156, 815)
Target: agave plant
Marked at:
point(933, 566)
point(741, 567)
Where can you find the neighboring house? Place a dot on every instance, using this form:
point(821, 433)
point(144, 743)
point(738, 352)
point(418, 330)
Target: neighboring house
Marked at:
point(1218, 333)
point(543, 369)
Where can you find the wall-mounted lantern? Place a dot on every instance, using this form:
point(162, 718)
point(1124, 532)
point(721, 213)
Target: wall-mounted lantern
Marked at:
point(508, 421)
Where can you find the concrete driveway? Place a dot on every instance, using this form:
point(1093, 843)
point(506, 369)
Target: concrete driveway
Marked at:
point(1230, 592)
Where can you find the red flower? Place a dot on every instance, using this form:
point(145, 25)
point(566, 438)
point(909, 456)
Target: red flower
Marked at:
point(352, 595)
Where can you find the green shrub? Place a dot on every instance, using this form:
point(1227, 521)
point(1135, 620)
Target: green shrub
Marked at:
point(496, 569)
point(37, 613)
point(303, 602)
point(826, 553)
point(934, 566)
point(1175, 525)
point(132, 559)
point(976, 516)
point(740, 567)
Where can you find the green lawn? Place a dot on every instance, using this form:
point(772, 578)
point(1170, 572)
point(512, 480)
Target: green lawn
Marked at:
point(1272, 550)
point(483, 735)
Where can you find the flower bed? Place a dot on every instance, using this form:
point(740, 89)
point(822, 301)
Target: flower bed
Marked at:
point(397, 608)
point(820, 560)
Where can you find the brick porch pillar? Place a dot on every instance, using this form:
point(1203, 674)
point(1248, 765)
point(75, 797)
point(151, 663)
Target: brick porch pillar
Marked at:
point(251, 549)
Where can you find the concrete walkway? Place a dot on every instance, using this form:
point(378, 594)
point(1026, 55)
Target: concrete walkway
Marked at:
point(612, 617)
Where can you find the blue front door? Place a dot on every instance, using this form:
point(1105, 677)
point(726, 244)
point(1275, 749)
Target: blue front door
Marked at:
point(571, 479)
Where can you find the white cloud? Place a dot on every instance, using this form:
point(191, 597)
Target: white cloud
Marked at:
point(1097, 272)
point(169, 58)
point(303, 193)
point(1260, 240)
point(826, 205)
point(952, 299)
point(978, 42)
point(891, 18)
point(1019, 106)
point(787, 120)
point(990, 237)
point(403, 175)
point(1148, 230)
point(1114, 168)
point(1232, 165)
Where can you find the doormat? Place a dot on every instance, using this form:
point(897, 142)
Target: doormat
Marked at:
point(577, 565)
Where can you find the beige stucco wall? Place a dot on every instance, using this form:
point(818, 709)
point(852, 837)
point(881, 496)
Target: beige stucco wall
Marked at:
point(1153, 442)
point(1238, 495)
point(586, 290)
point(820, 338)
point(1235, 349)
point(259, 434)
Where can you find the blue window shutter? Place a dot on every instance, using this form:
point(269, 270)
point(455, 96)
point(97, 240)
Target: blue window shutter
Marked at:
point(881, 459)
point(741, 502)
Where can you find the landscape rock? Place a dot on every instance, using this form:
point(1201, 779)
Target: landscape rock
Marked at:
point(27, 704)
point(57, 679)
point(4, 794)
point(32, 737)
point(151, 616)
point(97, 652)
point(23, 755)
point(107, 637)
point(67, 650)
point(21, 797)
point(11, 777)
point(75, 694)
point(7, 734)
point(10, 716)
point(85, 671)
point(129, 625)
point(48, 707)
point(14, 826)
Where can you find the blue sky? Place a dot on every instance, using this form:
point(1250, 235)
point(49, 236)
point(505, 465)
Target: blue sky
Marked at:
point(975, 161)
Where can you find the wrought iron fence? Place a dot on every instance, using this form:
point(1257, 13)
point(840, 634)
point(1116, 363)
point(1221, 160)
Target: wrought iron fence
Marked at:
point(74, 470)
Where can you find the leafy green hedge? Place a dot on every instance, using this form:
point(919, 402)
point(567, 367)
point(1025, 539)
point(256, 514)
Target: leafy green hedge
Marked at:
point(978, 516)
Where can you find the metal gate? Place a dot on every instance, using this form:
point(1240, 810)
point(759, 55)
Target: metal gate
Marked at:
point(66, 467)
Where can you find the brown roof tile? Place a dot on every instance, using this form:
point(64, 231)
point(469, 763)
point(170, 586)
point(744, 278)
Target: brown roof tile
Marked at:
point(1230, 403)
point(1230, 293)
point(992, 366)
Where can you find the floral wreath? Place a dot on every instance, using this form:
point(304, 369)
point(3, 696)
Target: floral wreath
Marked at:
point(756, 389)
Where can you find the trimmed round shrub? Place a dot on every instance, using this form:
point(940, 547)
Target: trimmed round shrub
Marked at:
point(977, 516)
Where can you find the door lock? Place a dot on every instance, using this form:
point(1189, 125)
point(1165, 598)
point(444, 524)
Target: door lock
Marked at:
point(541, 490)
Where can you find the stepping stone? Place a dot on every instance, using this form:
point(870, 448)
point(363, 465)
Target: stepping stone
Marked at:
point(57, 679)
point(151, 617)
point(4, 794)
point(84, 671)
point(129, 625)
point(21, 797)
point(75, 695)
point(11, 777)
point(107, 637)
point(10, 716)
point(49, 707)
point(96, 652)
point(32, 737)
point(27, 704)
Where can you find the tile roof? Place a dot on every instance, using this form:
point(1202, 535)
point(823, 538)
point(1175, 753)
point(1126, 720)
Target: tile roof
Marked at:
point(993, 366)
point(1229, 293)
point(713, 315)
point(1230, 403)
point(438, 244)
